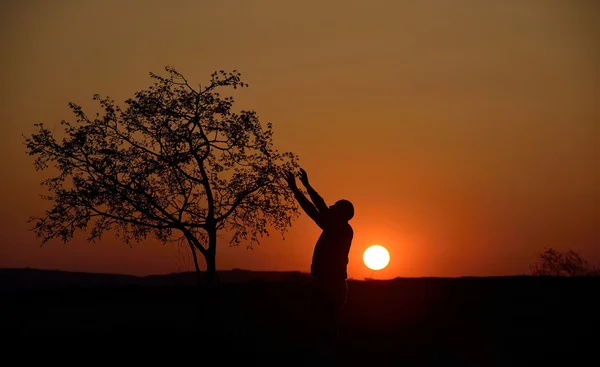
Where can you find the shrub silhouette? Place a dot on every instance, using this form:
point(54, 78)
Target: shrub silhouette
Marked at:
point(569, 263)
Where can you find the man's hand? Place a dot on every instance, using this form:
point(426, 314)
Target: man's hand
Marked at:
point(291, 180)
point(317, 200)
point(306, 205)
point(303, 177)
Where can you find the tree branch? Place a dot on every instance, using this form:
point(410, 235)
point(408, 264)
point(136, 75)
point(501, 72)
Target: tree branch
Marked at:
point(239, 199)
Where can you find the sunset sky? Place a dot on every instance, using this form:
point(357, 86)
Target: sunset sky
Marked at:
point(466, 133)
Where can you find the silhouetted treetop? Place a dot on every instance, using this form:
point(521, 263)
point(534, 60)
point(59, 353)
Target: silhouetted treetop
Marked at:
point(177, 163)
point(568, 263)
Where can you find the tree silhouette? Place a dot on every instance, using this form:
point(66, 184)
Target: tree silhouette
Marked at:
point(176, 164)
point(569, 263)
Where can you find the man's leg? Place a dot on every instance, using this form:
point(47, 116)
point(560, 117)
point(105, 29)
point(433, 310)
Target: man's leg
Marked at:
point(315, 324)
point(338, 300)
point(330, 301)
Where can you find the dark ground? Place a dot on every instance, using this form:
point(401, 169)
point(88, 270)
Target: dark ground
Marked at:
point(505, 321)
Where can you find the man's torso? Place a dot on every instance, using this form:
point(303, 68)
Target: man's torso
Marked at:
point(330, 256)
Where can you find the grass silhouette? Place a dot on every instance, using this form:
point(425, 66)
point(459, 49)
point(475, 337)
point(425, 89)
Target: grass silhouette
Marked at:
point(492, 321)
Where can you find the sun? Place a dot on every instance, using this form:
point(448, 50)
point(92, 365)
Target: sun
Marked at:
point(376, 257)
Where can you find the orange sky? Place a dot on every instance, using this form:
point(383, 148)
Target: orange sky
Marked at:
point(467, 133)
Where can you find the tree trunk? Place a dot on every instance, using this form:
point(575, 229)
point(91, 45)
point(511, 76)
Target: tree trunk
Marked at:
point(211, 268)
point(211, 306)
point(211, 261)
point(198, 273)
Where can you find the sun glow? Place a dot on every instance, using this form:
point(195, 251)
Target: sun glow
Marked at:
point(376, 257)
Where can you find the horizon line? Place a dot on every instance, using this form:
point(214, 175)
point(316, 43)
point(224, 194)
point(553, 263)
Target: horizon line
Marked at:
point(255, 271)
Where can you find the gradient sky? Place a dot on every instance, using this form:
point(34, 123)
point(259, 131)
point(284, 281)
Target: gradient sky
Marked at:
point(467, 133)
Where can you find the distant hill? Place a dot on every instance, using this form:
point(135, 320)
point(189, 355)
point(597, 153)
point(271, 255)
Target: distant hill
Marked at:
point(27, 278)
point(32, 279)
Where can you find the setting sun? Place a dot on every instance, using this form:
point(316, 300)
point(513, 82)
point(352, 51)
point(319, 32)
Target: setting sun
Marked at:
point(376, 257)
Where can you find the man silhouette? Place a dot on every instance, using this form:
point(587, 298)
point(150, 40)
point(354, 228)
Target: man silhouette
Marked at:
point(330, 258)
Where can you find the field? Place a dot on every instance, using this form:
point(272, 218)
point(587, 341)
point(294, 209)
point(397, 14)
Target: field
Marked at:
point(504, 321)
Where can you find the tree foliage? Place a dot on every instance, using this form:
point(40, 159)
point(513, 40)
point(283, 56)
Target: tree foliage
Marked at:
point(556, 263)
point(177, 164)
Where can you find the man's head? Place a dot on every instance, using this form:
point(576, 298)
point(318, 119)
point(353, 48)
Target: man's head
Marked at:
point(342, 209)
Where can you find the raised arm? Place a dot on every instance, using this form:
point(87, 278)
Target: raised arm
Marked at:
point(305, 204)
point(314, 196)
